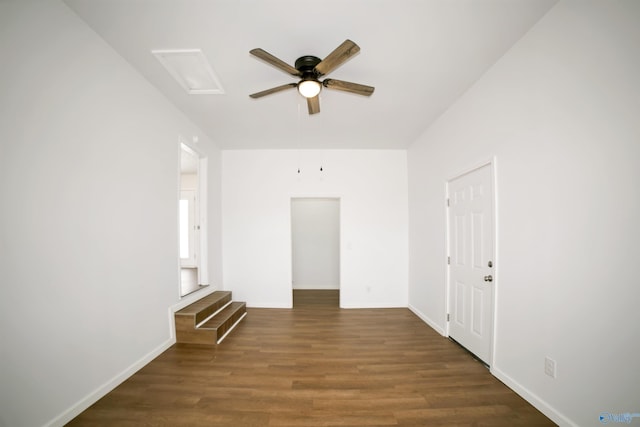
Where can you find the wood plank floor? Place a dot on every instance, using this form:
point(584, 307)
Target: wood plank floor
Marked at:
point(326, 298)
point(316, 365)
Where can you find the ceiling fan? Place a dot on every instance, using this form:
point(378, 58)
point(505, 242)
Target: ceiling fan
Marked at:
point(310, 69)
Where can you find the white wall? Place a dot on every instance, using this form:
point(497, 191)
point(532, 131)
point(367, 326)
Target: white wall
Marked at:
point(560, 114)
point(89, 160)
point(188, 181)
point(315, 240)
point(257, 187)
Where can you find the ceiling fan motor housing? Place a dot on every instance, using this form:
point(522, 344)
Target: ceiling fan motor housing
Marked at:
point(307, 64)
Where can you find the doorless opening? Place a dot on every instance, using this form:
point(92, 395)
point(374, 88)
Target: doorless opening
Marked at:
point(315, 234)
point(192, 208)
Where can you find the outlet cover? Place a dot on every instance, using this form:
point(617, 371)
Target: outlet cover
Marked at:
point(550, 367)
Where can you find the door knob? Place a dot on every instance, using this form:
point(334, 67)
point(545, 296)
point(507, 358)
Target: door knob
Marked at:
point(488, 278)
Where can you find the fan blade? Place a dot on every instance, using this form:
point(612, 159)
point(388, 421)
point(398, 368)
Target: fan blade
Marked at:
point(273, 90)
point(313, 104)
point(343, 52)
point(348, 87)
point(278, 63)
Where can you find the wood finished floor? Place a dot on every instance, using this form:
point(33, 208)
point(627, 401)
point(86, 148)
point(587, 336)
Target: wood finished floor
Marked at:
point(316, 365)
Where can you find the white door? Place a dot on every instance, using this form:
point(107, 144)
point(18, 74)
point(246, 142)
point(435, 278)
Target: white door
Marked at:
point(471, 261)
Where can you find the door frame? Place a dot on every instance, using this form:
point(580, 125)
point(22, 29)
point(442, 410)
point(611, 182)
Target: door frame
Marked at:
point(191, 197)
point(201, 212)
point(491, 162)
point(338, 198)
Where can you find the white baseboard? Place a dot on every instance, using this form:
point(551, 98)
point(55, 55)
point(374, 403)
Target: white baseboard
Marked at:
point(527, 395)
point(304, 287)
point(101, 391)
point(541, 405)
point(427, 320)
point(553, 414)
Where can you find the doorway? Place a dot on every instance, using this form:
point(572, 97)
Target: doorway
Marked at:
point(471, 261)
point(192, 221)
point(315, 242)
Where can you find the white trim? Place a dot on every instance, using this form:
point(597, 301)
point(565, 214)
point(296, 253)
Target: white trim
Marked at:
point(84, 403)
point(191, 197)
point(177, 207)
point(203, 209)
point(427, 320)
point(202, 241)
point(367, 306)
point(447, 258)
point(477, 166)
point(544, 407)
point(216, 312)
point(496, 261)
point(231, 328)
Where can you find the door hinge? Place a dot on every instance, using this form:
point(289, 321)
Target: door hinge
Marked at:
point(448, 203)
point(447, 317)
point(449, 260)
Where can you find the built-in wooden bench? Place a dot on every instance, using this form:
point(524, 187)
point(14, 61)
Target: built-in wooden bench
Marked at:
point(208, 320)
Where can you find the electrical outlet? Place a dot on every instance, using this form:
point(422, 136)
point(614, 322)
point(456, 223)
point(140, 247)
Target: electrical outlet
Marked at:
point(550, 367)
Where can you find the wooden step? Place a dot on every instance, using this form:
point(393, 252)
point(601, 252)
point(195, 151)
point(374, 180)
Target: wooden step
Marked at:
point(205, 307)
point(226, 319)
point(208, 320)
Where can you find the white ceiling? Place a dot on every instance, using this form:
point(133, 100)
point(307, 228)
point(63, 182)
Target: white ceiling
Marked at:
point(420, 55)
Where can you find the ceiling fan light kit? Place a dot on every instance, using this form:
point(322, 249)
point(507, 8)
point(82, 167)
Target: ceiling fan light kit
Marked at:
point(310, 69)
point(309, 88)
